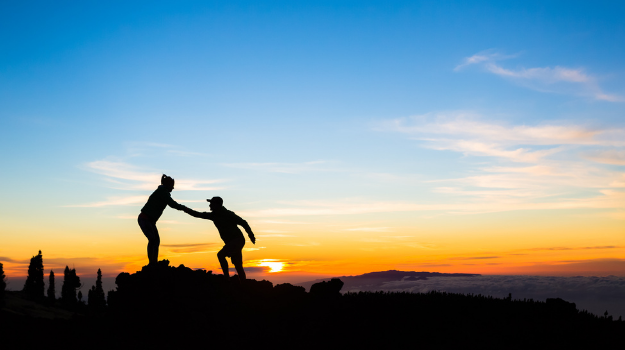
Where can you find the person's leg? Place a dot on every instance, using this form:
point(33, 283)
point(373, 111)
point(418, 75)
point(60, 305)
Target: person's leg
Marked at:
point(237, 257)
point(221, 255)
point(155, 242)
point(151, 232)
point(237, 261)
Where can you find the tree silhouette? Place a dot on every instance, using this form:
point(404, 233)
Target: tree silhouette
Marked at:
point(51, 288)
point(3, 284)
point(71, 283)
point(95, 297)
point(34, 286)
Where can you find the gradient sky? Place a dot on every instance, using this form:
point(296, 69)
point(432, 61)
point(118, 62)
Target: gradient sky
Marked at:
point(354, 136)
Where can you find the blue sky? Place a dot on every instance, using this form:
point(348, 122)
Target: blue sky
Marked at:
point(332, 105)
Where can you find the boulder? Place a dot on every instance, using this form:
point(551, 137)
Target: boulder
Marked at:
point(287, 290)
point(330, 288)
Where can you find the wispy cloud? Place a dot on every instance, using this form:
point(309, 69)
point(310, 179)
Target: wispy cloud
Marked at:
point(171, 222)
point(612, 156)
point(253, 249)
point(573, 248)
point(605, 199)
point(126, 201)
point(283, 222)
point(471, 127)
point(274, 235)
point(113, 201)
point(369, 229)
point(14, 261)
point(546, 79)
point(555, 156)
point(337, 207)
point(471, 147)
point(185, 153)
point(527, 167)
point(469, 134)
point(129, 177)
point(190, 247)
point(483, 57)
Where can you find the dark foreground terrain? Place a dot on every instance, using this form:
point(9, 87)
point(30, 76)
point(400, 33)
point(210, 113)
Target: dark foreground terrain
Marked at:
point(177, 306)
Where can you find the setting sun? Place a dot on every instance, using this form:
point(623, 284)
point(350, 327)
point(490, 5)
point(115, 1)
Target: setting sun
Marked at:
point(274, 265)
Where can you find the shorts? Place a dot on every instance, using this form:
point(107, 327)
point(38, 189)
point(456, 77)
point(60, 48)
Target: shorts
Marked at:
point(234, 247)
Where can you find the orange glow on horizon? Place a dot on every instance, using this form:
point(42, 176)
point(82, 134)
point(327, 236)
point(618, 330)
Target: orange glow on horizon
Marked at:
point(554, 243)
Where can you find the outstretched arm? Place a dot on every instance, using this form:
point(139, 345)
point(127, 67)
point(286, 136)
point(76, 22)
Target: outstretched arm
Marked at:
point(197, 214)
point(172, 203)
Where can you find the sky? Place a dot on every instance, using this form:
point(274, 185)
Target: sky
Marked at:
point(353, 136)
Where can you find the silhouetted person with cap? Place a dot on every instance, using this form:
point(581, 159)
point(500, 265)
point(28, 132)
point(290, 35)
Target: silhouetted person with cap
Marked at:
point(227, 223)
point(152, 211)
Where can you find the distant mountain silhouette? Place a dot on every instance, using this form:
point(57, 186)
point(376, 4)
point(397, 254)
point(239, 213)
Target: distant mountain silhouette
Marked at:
point(373, 279)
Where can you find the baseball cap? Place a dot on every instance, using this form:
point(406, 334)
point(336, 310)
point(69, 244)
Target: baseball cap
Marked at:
point(216, 200)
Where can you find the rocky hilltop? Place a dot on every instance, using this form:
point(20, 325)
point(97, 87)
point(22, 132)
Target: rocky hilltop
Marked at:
point(182, 288)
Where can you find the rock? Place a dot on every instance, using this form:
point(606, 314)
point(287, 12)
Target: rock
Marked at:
point(288, 290)
point(330, 288)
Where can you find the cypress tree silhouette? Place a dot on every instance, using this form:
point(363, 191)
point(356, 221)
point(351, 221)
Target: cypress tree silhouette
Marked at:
point(68, 293)
point(71, 283)
point(3, 284)
point(95, 297)
point(51, 288)
point(34, 286)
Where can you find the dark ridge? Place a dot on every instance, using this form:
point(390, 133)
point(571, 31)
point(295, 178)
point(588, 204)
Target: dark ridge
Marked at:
point(178, 307)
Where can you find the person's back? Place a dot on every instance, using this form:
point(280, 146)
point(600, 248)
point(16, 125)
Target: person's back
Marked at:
point(158, 201)
point(227, 223)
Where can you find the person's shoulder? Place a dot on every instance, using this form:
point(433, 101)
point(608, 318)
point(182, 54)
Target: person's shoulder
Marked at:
point(227, 210)
point(233, 214)
point(162, 191)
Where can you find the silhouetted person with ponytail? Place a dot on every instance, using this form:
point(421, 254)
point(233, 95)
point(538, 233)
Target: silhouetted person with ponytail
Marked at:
point(227, 223)
point(152, 210)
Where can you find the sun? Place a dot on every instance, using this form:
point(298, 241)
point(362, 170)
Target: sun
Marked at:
point(274, 266)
